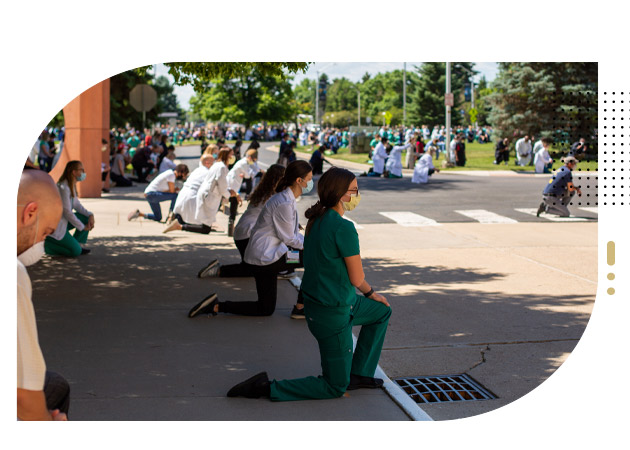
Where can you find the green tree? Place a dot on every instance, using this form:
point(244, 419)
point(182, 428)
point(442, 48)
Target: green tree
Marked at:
point(252, 97)
point(558, 100)
point(342, 95)
point(304, 94)
point(428, 97)
point(384, 92)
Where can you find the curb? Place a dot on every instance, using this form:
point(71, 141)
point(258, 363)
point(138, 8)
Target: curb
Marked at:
point(394, 391)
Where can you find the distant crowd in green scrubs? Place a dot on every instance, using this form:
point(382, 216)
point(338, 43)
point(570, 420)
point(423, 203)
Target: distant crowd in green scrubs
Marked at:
point(332, 271)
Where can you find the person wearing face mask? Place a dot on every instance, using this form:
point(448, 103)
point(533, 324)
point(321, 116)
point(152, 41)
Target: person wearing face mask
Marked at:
point(275, 245)
point(61, 242)
point(332, 271)
point(41, 394)
point(186, 203)
point(244, 169)
point(214, 187)
point(161, 189)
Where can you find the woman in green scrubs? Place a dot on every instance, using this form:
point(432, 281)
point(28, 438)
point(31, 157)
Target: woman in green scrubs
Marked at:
point(332, 271)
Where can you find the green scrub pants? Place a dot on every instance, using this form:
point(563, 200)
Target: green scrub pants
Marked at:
point(68, 245)
point(332, 327)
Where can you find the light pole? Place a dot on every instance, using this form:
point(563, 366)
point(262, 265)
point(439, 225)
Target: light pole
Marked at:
point(404, 94)
point(358, 105)
point(317, 94)
point(447, 138)
point(472, 93)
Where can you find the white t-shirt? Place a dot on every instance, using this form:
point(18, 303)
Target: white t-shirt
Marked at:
point(160, 183)
point(31, 368)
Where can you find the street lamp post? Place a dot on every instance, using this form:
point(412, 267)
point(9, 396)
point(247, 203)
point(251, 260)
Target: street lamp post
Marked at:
point(404, 93)
point(472, 93)
point(447, 138)
point(317, 98)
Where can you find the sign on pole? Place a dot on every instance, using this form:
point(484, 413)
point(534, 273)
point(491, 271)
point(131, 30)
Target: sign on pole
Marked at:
point(143, 98)
point(388, 117)
point(449, 99)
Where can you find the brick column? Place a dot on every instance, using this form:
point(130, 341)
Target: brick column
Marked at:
point(87, 123)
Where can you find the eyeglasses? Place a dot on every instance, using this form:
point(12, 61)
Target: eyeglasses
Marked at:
point(355, 191)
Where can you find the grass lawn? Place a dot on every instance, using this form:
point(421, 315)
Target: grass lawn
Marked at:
point(478, 157)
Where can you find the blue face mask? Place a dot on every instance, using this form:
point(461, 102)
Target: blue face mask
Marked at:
point(308, 188)
point(81, 177)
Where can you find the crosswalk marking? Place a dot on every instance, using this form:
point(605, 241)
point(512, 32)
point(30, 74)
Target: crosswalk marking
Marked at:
point(592, 209)
point(483, 216)
point(356, 225)
point(552, 217)
point(409, 219)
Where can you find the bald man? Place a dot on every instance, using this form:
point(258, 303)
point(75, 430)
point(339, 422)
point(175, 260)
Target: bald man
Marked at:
point(41, 395)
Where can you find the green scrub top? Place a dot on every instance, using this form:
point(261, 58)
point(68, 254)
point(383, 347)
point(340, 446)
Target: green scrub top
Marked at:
point(326, 280)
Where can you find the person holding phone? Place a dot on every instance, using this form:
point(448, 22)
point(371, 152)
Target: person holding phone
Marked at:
point(275, 245)
point(332, 271)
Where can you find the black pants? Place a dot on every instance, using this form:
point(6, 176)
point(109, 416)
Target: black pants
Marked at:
point(233, 209)
point(120, 181)
point(142, 170)
point(203, 228)
point(57, 392)
point(241, 269)
point(266, 288)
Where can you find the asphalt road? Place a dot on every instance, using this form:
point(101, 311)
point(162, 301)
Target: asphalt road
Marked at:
point(445, 195)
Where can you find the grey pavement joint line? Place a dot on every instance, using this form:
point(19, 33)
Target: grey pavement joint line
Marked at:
point(481, 344)
point(394, 391)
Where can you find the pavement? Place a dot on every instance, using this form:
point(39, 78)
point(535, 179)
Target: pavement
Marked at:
point(504, 303)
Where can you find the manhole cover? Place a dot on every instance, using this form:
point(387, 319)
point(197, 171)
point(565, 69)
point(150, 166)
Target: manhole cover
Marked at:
point(444, 388)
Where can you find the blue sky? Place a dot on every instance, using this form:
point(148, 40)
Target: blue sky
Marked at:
point(351, 70)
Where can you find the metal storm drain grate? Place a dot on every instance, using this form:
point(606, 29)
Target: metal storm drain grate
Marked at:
point(444, 388)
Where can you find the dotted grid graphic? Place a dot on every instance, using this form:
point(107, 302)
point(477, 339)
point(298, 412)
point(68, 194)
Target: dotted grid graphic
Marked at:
point(614, 107)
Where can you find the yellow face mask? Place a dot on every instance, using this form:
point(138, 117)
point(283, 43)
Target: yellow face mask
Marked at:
point(355, 199)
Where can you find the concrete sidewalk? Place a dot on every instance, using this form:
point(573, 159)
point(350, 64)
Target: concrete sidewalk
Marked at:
point(115, 324)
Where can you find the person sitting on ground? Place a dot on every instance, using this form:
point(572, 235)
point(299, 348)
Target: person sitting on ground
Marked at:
point(558, 193)
point(502, 151)
point(333, 272)
point(579, 149)
point(275, 245)
point(424, 167)
point(186, 203)
point(263, 192)
point(61, 242)
point(41, 394)
point(542, 160)
point(117, 172)
point(161, 189)
point(460, 151)
point(168, 161)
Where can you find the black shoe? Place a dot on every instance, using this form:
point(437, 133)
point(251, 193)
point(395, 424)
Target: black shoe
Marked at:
point(359, 382)
point(254, 387)
point(205, 306)
point(541, 208)
point(85, 251)
point(297, 313)
point(287, 274)
point(210, 270)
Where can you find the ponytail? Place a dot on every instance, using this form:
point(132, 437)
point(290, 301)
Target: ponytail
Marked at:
point(312, 214)
point(295, 170)
point(332, 185)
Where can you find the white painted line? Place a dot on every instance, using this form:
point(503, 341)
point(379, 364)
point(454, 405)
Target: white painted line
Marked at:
point(483, 216)
point(356, 225)
point(592, 209)
point(399, 396)
point(409, 219)
point(552, 217)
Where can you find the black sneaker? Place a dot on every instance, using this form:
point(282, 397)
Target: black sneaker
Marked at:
point(285, 275)
point(205, 306)
point(254, 387)
point(359, 382)
point(85, 251)
point(210, 270)
point(541, 208)
point(297, 313)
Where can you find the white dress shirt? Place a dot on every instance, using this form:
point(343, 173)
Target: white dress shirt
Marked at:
point(69, 203)
point(247, 221)
point(276, 229)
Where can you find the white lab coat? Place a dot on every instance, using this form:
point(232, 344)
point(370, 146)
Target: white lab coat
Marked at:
point(213, 188)
point(241, 170)
point(541, 159)
point(394, 165)
point(523, 152)
point(380, 154)
point(421, 171)
point(186, 203)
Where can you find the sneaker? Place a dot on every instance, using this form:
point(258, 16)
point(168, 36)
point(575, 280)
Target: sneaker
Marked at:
point(205, 306)
point(285, 275)
point(210, 270)
point(297, 313)
point(254, 387)
point(359, 382)
point(133, 215)
point(541, 208)
point(85, 251)
point(170, 218)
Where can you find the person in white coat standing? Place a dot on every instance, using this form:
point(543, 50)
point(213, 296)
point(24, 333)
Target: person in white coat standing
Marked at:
point(214, 188)
point(186, 203)
point(379, 157)
point(393, 167)
point(524, 151)
point(424, 167)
